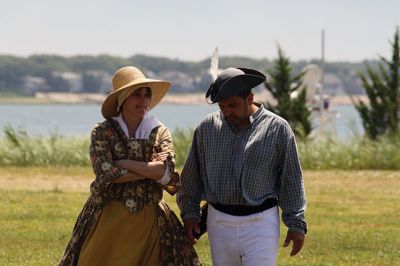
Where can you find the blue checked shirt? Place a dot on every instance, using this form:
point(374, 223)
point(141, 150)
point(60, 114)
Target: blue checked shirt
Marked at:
point(244, 167)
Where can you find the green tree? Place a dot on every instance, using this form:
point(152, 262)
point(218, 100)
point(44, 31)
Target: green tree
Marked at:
point(382, 114)
point(282, 84)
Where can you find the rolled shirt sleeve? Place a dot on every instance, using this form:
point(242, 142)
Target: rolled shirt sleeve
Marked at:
point(166, 177)
point(166, 145)
point(170, 181)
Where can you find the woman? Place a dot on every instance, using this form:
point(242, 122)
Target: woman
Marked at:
point(125, 221)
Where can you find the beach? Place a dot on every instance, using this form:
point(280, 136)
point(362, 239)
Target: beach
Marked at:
point(171, 98)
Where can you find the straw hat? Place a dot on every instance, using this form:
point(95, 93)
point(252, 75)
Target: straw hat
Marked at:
point(132, 78)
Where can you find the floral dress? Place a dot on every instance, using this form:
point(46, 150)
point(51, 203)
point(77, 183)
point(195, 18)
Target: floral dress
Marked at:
point(108, 144)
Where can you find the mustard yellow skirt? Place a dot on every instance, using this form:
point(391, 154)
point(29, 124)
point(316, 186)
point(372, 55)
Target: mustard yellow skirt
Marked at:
point(121, 237)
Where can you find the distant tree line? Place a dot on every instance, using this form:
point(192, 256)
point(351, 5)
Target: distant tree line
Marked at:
point(27, 75)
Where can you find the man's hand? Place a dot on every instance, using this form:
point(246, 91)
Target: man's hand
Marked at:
point(191, 225)
point(298, 241)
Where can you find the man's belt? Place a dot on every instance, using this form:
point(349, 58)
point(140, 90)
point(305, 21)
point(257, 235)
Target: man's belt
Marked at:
point(241, 210)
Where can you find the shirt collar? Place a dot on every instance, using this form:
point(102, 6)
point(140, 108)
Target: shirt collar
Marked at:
point(254, 116)
point(144, 129)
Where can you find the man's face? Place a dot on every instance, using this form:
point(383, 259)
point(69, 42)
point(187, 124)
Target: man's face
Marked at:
point(236, 110)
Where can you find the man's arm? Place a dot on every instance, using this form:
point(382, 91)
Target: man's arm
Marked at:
point(292, 198)
point(189, 195)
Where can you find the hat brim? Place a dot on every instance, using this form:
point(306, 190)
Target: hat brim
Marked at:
point(237, 85)
point(158, 90)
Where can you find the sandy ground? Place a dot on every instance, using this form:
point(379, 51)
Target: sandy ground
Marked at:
point(79, 179)
point(46, 179)
point(184, 98)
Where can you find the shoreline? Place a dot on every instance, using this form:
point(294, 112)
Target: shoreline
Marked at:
point(172, 98)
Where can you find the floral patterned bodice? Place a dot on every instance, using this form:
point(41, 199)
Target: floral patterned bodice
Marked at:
point(108, 144)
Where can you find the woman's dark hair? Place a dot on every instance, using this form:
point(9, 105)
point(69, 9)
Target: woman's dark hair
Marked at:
point(148, 89)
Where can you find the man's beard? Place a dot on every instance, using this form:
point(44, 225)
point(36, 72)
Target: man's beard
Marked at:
point(234, 120)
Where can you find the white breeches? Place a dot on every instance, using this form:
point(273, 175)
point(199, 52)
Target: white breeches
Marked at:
point(250, 240)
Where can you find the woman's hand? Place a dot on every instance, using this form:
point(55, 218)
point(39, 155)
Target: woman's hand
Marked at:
point(160, 157)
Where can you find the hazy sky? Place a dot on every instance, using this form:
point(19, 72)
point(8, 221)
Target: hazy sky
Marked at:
point(189, 30)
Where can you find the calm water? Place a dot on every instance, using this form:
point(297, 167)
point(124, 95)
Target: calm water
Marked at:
point(71, 120)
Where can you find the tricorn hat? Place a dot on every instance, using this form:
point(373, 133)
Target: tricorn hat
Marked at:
point(132, 78)
point(233, 81)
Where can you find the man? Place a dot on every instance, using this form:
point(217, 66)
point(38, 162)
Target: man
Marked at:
point(243, 161)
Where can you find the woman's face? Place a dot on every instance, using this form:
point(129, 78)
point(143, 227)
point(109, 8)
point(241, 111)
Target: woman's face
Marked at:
point(138, 102)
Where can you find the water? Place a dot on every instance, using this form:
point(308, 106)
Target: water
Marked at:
point(70, 120)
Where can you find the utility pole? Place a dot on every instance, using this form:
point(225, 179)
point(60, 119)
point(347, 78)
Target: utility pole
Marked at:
point(321, 89)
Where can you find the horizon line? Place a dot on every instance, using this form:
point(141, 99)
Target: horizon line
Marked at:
point(187, 60)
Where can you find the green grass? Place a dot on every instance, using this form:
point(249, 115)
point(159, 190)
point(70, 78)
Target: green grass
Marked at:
point(355, 154)
point(35, 225)
point(353, 218)
point(19, 148)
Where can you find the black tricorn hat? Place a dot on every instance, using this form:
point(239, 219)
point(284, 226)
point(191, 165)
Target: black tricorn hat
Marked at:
point(233, 81)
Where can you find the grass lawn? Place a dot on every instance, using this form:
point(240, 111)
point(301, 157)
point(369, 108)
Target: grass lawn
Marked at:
point(353, 216)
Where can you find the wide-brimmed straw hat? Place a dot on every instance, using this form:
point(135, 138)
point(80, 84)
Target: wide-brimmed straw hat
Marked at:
point(233, 81)
point(132, 78)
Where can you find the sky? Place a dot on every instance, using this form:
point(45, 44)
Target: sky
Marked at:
point(355, 30)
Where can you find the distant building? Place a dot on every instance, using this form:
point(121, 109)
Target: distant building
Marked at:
point(32, 84)
point(180, 81)
point(97, 81)
point(73, 80)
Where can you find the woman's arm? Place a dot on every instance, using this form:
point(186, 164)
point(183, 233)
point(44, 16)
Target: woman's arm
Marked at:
point(171, 181)
point(154, 170)
point(101, 156)
point(128, 177)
